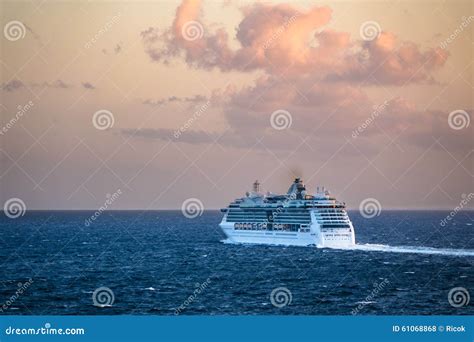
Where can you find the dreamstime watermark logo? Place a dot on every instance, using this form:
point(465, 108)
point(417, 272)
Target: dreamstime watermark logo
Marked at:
point(464, 24)
point(192, 208)
point(281, 119)
point(103, 297)
point(281, 297)
point(458, 297)
point(191, 120)
point(20, 290)
point(370, 207)
point(14, 30)
point(465, 200)
point(200, 287)
point(372, 295)
point(192, 30)
point(277, 33)
point(378, 109)
point(459, 119)
point(108, 25)
point(108, 202)
point(369, 30)
point(22, 110)
point(103, 119)
point(46, 330)
point(14, 208)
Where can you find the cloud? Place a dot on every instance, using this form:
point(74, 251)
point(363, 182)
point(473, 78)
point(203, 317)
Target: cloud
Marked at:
point(116, 50)
point(389, 61)
point(283, 38)
point(88, 85)
point(229, 138)
point(58, 84)
point(12, 85)
point(159, 102)
point(15, 84)
point(424, 127)
point(323, 71)
point(193, 137)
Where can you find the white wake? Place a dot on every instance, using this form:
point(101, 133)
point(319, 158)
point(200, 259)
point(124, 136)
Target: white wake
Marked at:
point(412, 249)
point(386, 248)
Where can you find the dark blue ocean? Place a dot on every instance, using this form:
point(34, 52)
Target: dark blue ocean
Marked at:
point(161, 263)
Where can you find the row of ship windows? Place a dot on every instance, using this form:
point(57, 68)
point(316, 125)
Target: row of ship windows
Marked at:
point(284, 210)
point(278, 217)
point(285, 213)
point(323, 220)
point(335, 226)
point(269, 226)
point(273, 214)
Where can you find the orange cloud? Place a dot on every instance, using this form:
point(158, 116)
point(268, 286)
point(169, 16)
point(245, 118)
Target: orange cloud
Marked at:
point(283, 38)
point(322, 69)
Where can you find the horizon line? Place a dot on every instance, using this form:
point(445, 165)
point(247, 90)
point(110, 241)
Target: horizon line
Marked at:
point(218, 209)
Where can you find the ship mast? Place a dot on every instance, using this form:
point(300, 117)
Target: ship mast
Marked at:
point(256, 186)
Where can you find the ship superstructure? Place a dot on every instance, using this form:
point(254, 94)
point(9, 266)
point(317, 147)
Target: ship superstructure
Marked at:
point(295, 218)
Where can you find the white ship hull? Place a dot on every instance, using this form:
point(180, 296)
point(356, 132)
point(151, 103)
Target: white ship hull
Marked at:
point(335, 238)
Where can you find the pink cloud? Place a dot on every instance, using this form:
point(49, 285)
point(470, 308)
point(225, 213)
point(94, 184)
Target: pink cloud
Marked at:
point(390, 61)
point(310, 70)
point(283, 38)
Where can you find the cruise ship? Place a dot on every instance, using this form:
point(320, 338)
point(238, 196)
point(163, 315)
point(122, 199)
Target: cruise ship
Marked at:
point(292, 219)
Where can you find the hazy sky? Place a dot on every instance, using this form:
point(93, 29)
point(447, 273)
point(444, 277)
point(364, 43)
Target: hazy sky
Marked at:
point(170, 100)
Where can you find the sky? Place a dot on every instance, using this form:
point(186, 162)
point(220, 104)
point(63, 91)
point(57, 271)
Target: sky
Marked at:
point(165, 101)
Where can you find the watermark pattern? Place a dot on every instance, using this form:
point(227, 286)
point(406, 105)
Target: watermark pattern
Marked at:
point(103, 119)
point(199, 289)
point(459, 119)
point(14, 208)
point(14, 30)
point(370, 30)
point(21, 110)
point(20, 290)
point(465, 200)
point(192, 208)
point(103, 297)
point(375, 113)
point(458, 297)
point(281, 297)
point(372, 295)
point(452, 37)
point(108, 25)
point(277, 33)
point(281, 119)
point(46, 330)
point(192, 30)
point(281, 208)
point(197, 114)
point(370, 207)
point(108, 202)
